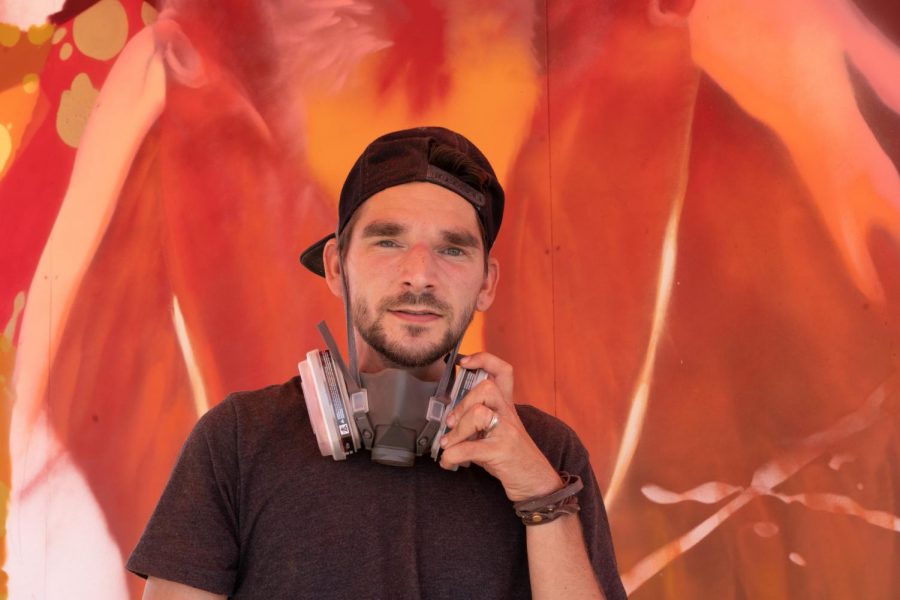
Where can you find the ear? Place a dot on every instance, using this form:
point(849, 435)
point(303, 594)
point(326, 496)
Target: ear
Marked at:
point(489, 285)
point(331, 260)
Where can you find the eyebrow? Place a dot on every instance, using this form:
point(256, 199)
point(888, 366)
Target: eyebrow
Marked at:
point(383, 229)
point(460, 238)
point(455, 237)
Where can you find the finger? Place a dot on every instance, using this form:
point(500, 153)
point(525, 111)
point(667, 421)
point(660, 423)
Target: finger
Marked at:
point(486, 393)
point(500, 370)
point(475, 420)
point(470, 424)
point(465, 452)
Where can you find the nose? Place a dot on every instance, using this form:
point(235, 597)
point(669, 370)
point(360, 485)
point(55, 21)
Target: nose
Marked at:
point(418, 268)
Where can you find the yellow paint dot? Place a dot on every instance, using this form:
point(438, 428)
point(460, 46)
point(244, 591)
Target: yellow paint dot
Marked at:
point(5, 148)
point(148, 13)
point(65, 51)
point(75, 107)
point(58, 35)
point(39, 34)
point(30, 83)
point(9, 35)
point(102, 30)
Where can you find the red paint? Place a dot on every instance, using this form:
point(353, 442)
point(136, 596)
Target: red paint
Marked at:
point(416, 62)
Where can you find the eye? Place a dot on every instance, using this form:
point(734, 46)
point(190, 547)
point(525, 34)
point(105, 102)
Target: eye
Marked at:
point(387, 244)
point(454, 251)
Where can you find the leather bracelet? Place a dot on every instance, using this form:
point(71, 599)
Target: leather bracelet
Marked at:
point(543, 509)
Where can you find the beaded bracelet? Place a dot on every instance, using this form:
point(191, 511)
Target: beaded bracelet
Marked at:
point(543, 509)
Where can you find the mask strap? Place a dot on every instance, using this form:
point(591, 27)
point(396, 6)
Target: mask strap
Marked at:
point(351, 339)
point(336, 356)
point(437, 404)
point(443, 388)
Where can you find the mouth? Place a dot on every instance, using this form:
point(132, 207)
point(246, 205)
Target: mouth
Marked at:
point(415, 315)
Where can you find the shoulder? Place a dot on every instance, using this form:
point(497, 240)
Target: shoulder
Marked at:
point(263, 404)
point(555, 438)
point(271, 400)
point(543, 424)
point(248, 415)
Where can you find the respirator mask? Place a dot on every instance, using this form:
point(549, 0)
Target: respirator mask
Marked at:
point(392, 413)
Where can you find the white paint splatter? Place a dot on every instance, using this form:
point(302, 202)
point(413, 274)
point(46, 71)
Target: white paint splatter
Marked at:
point(765, 529)
point(201, 402)
point(839, 460)
point(841, 505)
point(706, 493)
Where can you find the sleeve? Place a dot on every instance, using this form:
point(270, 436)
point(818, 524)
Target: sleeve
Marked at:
point(193, 535)
point(594, 522)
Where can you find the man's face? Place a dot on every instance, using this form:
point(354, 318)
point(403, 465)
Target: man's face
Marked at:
point(416, 273)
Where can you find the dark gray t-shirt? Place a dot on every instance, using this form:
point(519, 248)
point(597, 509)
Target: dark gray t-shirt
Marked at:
point(253, 510)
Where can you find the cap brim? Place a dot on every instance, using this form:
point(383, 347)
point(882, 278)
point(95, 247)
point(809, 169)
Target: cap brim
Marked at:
point(312, 256)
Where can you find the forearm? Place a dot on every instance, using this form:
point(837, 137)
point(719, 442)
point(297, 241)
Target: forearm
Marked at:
point(558, 561)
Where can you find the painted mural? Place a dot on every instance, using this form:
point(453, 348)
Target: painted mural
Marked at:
point(701, 257)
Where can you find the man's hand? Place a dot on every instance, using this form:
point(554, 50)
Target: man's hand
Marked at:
point(557, 559)
point(506, 451)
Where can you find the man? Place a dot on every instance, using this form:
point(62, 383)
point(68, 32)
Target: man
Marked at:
point(252, 509)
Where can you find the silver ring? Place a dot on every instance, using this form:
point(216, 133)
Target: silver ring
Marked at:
point(484, 432)
point(494, 420)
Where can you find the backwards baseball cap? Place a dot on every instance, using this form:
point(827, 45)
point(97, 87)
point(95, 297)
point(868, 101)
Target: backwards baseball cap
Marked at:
point(406, 156)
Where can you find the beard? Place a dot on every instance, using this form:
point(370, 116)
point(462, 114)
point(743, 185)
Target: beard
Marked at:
point(371, 329)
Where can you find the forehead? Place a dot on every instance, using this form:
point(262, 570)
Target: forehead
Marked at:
point(419, 203)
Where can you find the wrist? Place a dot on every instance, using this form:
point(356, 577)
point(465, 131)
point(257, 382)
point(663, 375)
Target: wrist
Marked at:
point(548, 482)
point(551, 483)
point(544, 508)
